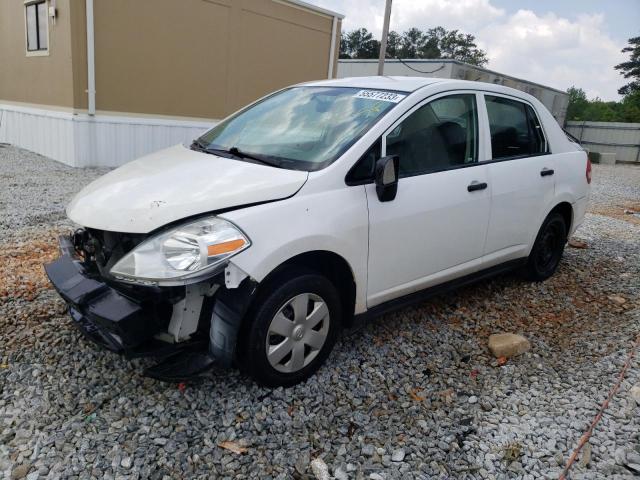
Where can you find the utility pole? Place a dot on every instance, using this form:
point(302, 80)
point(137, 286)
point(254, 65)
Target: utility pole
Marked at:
point(383, 40)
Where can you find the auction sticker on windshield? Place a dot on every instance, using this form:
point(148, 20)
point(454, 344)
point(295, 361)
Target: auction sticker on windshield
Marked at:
point(380, 95)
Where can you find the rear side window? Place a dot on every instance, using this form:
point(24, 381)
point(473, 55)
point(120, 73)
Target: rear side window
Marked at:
point(515, 129)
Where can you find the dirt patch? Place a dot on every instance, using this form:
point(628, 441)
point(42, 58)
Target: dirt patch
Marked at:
point(627, 211)
point(23, 282)
point(562, 312)
point(22, 273)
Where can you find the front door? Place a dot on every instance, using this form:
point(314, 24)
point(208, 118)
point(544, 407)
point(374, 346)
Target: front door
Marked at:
point(435, 228)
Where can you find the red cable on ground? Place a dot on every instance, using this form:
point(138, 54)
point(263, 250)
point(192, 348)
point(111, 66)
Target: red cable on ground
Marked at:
point(585, 437)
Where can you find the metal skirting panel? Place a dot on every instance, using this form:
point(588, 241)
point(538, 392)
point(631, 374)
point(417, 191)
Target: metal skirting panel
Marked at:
point(623, 139)
point(80, 140)
point(49, 133)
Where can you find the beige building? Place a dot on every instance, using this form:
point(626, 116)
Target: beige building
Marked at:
point(100, 82)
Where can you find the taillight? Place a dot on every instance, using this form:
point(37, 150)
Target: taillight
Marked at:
point(588, 173)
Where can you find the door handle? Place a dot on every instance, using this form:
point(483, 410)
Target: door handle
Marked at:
point(475, 185)
point(545, 172)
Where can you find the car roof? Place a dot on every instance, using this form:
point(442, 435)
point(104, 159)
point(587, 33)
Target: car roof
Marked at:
point(401, 84)
point(411, 84)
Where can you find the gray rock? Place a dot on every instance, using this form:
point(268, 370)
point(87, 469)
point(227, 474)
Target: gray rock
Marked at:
point(368, 450)
point(398, 455)
point(340, 474)
point(632, 457)
point(620, 456)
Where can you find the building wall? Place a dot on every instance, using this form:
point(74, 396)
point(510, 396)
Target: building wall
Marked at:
point(187, 58)
point(45, 80)
point(621, 139)
point(166, 70)
point(202, 58)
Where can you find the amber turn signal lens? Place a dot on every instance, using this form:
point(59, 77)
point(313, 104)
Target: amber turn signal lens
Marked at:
point(225, 247)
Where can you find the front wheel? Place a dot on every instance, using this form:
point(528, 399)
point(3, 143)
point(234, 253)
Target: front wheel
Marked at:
point(291, 329)
point(548, 248)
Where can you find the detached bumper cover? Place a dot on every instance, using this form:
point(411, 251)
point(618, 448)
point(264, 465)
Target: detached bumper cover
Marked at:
point(102, 314)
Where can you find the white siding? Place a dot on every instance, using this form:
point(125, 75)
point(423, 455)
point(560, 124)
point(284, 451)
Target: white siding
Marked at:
point(81, 140)
point(48, 133)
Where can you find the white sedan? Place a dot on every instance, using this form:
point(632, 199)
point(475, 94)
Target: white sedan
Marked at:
point(318, 205)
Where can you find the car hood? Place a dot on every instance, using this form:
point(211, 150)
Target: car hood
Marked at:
point(177, 183)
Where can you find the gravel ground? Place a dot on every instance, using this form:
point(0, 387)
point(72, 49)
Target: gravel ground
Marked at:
point(415, 394)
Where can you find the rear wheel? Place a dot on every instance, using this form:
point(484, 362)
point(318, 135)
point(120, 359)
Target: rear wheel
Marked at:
point(292, 329)
point(548, 248)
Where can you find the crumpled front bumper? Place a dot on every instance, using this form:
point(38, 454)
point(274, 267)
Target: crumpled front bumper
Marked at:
point(101, 313)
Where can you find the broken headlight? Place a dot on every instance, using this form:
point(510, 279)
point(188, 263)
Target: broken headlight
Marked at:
point(182, 254)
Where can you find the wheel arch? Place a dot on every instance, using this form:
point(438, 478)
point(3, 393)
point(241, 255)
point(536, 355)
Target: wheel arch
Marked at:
point(329, 264)
point(565, 209)
point(233, 306)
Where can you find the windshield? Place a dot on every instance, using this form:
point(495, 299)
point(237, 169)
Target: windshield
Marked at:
point(302, 128)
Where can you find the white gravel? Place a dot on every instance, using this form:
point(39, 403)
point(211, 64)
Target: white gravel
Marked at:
point(415, 394)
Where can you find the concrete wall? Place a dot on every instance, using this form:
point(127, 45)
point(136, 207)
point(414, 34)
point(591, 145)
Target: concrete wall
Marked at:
point(46, 79)
point(556, 101)
point(621, 139)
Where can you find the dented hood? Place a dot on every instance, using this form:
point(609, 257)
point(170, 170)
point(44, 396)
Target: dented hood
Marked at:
point(177, 183)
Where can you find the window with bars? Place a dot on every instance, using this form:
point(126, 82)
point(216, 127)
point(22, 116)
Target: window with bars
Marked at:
point(36, 24)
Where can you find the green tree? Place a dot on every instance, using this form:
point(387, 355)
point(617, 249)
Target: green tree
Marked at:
point(597, 110)
point(394, 41)
point(631, 69)
point(436, 42)
point(359, 43)
point(411, 43)
point(578, 103)
point(442, 43)
point(344, 48)
point(630, 107)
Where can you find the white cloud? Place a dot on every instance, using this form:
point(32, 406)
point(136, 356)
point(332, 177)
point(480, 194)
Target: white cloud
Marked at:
point(547, 49)
point(467, 15)
point(555, 51)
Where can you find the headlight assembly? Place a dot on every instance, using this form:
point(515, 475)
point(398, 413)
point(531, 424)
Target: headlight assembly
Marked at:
point(182, 254)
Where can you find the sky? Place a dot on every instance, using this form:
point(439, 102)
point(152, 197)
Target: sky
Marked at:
point(558, 43)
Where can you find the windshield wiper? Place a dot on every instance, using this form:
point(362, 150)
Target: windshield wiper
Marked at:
point(236, 152)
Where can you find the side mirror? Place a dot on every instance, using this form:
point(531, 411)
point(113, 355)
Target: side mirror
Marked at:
point(387, 177)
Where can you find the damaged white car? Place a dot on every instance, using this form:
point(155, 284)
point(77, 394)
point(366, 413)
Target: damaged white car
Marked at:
point(316, 206)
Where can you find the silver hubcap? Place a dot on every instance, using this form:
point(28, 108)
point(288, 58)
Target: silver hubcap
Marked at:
point(297, 332)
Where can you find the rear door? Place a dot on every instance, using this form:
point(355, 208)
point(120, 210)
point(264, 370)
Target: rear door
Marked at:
point(434, 229)
point(521, 175)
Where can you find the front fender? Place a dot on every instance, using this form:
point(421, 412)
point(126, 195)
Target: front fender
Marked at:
point(335, 221)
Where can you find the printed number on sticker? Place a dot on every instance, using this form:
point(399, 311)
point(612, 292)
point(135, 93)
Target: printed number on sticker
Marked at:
point(378, 95)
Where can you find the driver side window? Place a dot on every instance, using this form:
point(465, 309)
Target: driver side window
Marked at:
point(440, 135)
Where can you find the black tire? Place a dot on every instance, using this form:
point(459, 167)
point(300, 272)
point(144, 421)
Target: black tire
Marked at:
point(548, 248)
point(274, 296)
